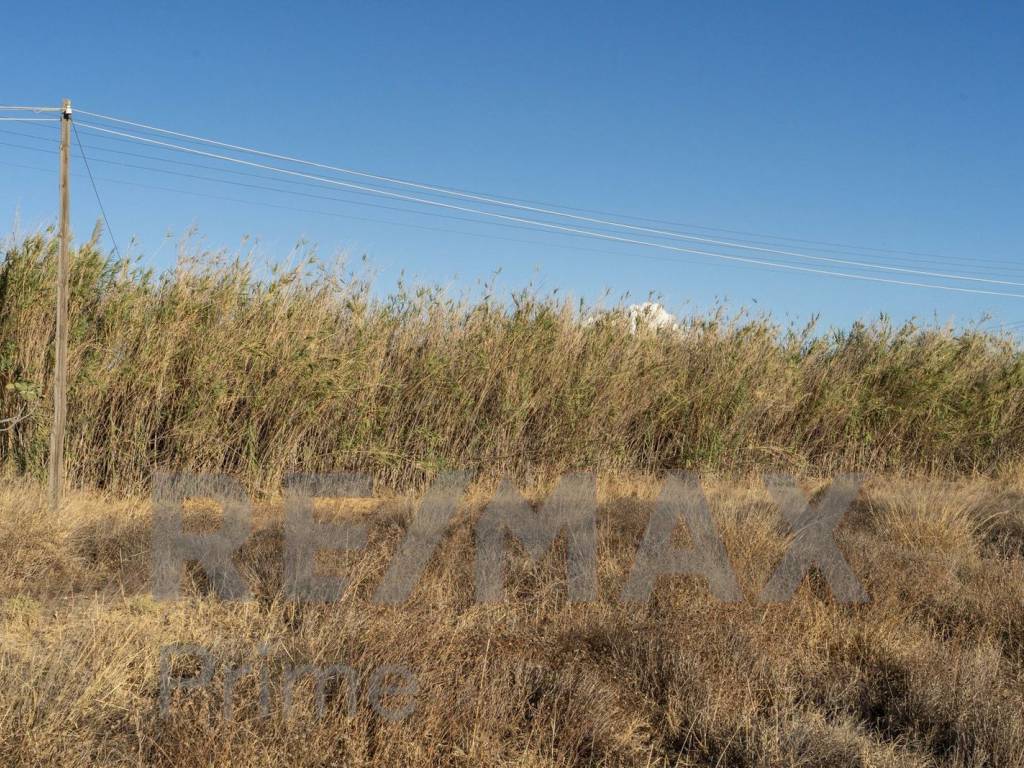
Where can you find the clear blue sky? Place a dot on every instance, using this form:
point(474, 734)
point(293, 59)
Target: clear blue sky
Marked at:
point(895, 126)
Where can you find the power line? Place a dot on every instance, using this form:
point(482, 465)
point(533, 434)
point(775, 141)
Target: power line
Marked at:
point(403, 210)
point(29, 119)
point(319, 185)
point(559, 227)
point(510, 202)
point(10, 108)
point(302, 183)
point(282, 191)
point(645, 256)
point(497, 200)
point(390, 222)
point(1014, 327)
point(99, 202)
point(408, 225)
point(348, 216)
point(535, 223)
point(346, 201)
point(1003, 269)
point(32, 136)
point(970, 266)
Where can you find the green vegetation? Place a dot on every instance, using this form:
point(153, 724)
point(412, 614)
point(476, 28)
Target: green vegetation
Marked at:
point(208, 368)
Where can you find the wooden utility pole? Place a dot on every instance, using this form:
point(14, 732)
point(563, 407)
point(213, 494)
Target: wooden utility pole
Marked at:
point(60, 369)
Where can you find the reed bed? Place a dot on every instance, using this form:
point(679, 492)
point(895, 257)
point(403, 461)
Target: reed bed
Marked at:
point(209, 367)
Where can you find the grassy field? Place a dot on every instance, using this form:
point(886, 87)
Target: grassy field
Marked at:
point(930, 672)
point(208, 369)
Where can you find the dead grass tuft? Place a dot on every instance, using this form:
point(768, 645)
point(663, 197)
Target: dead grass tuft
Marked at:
point(931, 672)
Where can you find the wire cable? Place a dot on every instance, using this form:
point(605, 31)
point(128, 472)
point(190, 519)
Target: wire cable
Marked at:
point(498, 201)
point(278, 190)
point(390, 222)
point(11, 108)
point(560, 227)
point(347, 201)
point(32, 136)
point(99, 202)
point(973, 267)
point(646, 256)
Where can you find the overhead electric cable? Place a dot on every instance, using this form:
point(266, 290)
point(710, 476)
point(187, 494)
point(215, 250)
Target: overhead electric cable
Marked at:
point(973, 267)
point(99, 202)
point(390, 222)
point(498, 201)
point(553, 226)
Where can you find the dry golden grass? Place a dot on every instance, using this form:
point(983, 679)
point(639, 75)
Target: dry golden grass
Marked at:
point(207, 368)
point(931, 672)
